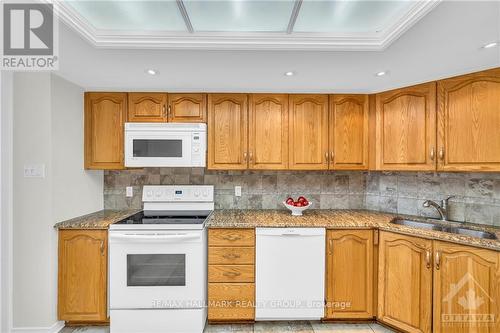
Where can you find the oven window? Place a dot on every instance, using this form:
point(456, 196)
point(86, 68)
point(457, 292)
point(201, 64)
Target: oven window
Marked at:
point(157, 148)
point(156, 270)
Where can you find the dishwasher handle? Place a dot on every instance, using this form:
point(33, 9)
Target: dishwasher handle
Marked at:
point(290, 232)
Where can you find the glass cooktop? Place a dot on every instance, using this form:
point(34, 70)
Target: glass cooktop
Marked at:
point(151, 218)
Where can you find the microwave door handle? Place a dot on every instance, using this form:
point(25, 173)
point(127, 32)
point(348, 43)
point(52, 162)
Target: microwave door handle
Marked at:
point(153, 237)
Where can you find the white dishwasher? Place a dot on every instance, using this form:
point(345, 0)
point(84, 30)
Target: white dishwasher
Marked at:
point(290, 273)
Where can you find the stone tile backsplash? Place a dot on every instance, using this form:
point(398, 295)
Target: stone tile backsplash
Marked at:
point(477, 195)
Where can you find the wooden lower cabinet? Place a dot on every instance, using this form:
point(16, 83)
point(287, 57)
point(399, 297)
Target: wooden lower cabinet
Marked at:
point(82, 277)
point(466, 289)
point(231, 302)
point(231, 275)
point(349, 274)
point(405, 282)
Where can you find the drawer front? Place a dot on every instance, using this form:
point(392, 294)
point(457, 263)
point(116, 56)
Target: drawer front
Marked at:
point(231, 255)
point(231, 301)
point(231, 273)
point(231, 237)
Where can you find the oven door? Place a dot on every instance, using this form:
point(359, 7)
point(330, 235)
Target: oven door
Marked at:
point(157, 269)
point(157, 148)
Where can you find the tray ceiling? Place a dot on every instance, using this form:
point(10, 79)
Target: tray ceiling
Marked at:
point(243, 24)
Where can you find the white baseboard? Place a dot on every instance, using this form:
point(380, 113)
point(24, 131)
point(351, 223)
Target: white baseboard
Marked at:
point(52, 329)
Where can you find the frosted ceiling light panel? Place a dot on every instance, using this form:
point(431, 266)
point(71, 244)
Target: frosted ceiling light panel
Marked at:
point(131, 15)
point(349, 16)
point(239, 15)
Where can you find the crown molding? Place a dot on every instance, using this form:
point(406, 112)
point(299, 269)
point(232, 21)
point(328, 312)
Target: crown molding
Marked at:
point(243, 41)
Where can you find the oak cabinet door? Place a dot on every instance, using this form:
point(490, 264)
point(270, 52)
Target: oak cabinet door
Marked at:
point(405, 282)
point(349, 280)
point(308, 132)
point(187, 108)
point(406, 128)
point(147, 107)
point(349, 132)
point(466, 289)
point(268, 132)
point(82, 281)
point(227, 131)
point(469, 122)
point(105, 115)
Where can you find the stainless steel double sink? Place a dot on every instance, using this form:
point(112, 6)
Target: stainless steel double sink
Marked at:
point(429, 225)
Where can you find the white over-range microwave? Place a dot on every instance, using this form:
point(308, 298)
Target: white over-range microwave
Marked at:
point(165, 144)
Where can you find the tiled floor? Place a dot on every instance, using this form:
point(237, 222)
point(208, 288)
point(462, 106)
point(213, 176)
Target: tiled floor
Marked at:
point(268, 327)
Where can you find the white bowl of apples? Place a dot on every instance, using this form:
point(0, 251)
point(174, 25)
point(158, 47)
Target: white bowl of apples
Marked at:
point(297, 207)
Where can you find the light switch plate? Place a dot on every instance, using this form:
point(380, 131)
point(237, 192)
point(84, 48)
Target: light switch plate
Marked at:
point(129, 191)
point(237, 191)
point(34, 170)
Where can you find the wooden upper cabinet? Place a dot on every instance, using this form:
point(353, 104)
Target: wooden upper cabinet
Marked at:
point(349, 274)
point(187, 108)
point(406, 128)
point(308, 132)
point(349, 132)
point(147, 107)
point(268, 132)
point(227, 131)
point(105, 115)
point(82, 281)
point(466, 285)
point(469, 122)
point(405, 282)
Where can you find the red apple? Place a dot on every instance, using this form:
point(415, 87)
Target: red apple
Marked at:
point(289, 201)
point(298, 204)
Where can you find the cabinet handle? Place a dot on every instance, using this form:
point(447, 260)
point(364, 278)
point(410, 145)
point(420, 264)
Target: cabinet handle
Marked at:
point(169, 111)
point(250, 155)
point(330, 246)
point(441, 153)
point(231, 256)
point(231, 238)
point(326, 157)
point(102, 248)
point(164, 111)
point(432, 154)
point(245, 155)
point(438, 260)
point(428, 259)
point(332, 155)
point(231, 274)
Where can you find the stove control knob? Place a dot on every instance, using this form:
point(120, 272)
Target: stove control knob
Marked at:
point(158, 194)
point(196, 193)
point(149, 194)
point(205, 193)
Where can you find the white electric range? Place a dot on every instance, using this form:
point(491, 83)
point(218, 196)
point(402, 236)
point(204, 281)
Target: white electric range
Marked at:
point(158, 262)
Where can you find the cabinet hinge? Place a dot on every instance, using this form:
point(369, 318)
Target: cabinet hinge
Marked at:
point(375, 237)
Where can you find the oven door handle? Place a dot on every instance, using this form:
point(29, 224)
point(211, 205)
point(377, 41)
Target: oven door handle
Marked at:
point(153, 237)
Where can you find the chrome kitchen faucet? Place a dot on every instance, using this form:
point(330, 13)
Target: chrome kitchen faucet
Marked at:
point(442, 209)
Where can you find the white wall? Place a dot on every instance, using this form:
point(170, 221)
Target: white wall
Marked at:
point(6, 84)
point(48, 129)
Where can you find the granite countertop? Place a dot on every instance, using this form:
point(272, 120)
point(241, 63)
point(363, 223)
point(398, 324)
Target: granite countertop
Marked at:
point(98, 220)
point(345, 219)
point(330, 219)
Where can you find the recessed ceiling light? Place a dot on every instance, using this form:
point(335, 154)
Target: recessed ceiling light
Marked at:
point(490, 45)
point(290, 73)
point(151, 71)
point(382, 73)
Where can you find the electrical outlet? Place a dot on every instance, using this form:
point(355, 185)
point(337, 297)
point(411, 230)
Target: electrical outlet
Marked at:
point(34, 171)
point(129, 191)
point(237, 191)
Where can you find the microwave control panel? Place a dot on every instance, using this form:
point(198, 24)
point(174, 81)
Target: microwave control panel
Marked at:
point(198, 151)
